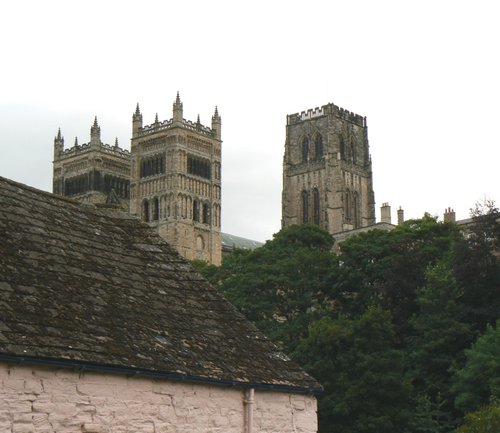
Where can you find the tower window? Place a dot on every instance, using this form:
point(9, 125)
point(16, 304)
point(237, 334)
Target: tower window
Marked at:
point(305, 149)
point(152, 165)
point(318, 147)
point(156, 209)
point(199, 166)
point(316, 209)
point(145, 211)
point(305, 207)
point(206, 214)
point(196, 210)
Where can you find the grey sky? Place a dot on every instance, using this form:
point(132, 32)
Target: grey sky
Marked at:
point(425, 74)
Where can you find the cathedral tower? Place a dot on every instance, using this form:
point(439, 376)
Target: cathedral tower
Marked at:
point(92, 172)
point(327, 174)
point(176, 181)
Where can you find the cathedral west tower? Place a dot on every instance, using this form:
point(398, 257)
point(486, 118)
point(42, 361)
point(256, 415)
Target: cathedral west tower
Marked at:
point(176, 181)
point(327, 173)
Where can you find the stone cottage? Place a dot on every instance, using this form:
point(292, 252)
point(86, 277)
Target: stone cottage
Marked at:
point(105, 328)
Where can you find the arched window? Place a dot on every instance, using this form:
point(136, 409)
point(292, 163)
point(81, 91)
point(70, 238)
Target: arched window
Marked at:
point(353, 152)
point(342, 149)
point(206, 214)
point(196, 210)
point(305, 149)
point(145, 211)
point(318, 147)
point(156, 209)
point(305, 207)
point(355, 210)
point(347, 206)
point(316, 208)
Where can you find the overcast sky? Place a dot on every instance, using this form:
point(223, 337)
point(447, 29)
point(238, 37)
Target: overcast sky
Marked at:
point(425, 74)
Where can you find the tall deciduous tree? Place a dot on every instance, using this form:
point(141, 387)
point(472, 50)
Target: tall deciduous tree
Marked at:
point(284, 285)
point(362, 372)
point(478, 382)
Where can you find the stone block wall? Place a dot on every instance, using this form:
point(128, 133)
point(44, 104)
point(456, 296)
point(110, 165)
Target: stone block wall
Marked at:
point(34, 400)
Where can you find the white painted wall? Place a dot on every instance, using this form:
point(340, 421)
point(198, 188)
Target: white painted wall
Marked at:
point(36, 400)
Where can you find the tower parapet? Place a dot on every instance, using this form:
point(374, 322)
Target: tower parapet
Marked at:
point(177, 121)
point(94, 143)
point(328, 109)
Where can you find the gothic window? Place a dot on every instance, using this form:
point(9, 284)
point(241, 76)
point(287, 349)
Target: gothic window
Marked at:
point(152, 165)
point(355, 210)
point(353, 153)
point(145, 211)
point(196, 210)
point(199, 166)
point(342, 149)
point(347, 206)
point(206, 214)
point(305, 207)
point(316, 209)
point(156, 209)
point(318, 147)
point(305, 149)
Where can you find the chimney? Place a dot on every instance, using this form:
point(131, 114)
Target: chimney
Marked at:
point(385, 213)
point(449, 215)
point(401, 216)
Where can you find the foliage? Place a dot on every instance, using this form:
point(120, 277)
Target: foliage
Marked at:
point(485, 420)
point(383, 326)
point(283, 285)
point(386, 268)
point(437, 342)
point(478, 382)
point(477, 267)
point(362, 373)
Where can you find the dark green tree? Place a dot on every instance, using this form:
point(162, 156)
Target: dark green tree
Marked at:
point(284, 285)
point(438, 339)
point(386, 268)
point(361, 371)
point(477, 267)
point(478, 382)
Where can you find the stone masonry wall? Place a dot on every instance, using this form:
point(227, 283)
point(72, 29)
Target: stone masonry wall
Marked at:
point(34, 400)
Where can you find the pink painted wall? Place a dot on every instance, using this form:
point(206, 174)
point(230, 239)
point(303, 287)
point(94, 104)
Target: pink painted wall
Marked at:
point(34, 400)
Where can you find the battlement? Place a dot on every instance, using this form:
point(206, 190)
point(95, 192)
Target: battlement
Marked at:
point(326, 110)
point(169, 124)
point(78, 149)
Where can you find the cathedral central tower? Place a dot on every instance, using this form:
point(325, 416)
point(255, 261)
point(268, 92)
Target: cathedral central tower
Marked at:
point(327, 173)
point(176, 181)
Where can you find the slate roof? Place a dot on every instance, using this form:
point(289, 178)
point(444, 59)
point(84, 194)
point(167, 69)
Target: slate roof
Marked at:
point(95, 288)
point(230, 242)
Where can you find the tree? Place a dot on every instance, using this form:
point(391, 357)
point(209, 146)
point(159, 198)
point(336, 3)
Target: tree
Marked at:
point(478, 382)
point(284, 285)
point(386, 268)
point(438, 338)
point(485, 420)
point(361, 371)
point(477, 267)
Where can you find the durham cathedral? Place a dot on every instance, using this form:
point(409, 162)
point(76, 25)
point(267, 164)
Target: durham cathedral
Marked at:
point(171, 178)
